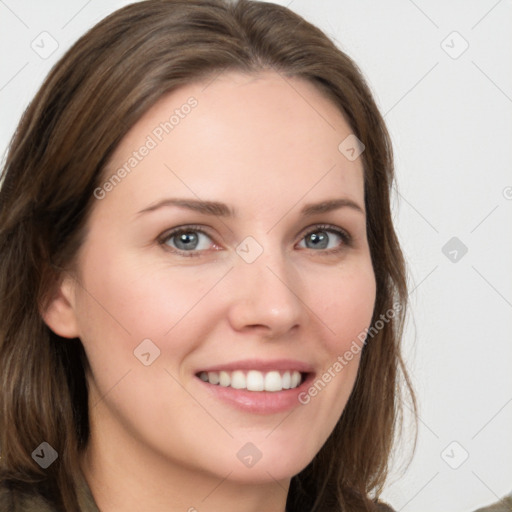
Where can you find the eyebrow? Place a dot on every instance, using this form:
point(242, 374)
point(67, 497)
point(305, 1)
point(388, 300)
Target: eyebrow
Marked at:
point(222, 210)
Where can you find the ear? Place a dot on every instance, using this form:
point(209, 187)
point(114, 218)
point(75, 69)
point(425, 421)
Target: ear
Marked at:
point(59, 314)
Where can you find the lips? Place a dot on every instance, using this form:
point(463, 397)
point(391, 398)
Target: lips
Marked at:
point(258, 386)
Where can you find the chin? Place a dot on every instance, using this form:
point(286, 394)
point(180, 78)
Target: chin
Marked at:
point(270, 463)
point(262, 473)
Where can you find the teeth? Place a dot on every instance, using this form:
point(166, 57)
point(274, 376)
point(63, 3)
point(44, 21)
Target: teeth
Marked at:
point(238, 380)
point(224, 379)
point(273, 381)
point(253, 380)
point(287, 380)
point(295, 379)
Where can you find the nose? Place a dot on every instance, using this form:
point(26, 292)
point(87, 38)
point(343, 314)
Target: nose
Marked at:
point(265, 297)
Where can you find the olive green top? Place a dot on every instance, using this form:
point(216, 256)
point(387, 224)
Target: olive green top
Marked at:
point(13, 499)
point(504, 505)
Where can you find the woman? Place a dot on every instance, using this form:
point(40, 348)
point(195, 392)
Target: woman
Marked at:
point(202, 290)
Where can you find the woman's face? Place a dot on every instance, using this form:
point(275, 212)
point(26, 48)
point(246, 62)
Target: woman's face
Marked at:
point(219, 253)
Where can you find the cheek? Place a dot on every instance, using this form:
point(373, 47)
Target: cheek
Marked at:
point(123, 302)
point(117, 290)
point(344, 302)
point(180, 308)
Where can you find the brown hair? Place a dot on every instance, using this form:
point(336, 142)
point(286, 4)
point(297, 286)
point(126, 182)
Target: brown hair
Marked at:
point(91, 98)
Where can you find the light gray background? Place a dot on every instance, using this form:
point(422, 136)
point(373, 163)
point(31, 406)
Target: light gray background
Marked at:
point(451, 124)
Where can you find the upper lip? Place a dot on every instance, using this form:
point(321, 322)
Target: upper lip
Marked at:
point(261, 365)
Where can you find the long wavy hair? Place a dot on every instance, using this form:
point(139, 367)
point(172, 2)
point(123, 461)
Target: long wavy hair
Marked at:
point(97, 91)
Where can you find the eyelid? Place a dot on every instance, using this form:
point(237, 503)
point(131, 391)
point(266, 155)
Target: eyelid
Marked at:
point(342, 233)
point(166, 235)
point(326, 227)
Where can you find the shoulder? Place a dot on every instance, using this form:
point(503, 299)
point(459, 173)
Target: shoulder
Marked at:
point(504, 505)
point(18, 497)
point(15, 499)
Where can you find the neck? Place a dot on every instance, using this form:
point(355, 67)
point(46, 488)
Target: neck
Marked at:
point(123, 474)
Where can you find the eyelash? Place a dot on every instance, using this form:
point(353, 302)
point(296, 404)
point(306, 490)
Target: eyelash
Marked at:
point(344, 235)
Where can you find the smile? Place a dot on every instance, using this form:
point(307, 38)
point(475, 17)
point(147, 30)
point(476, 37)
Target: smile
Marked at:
point(255, 385)
point(254, 380)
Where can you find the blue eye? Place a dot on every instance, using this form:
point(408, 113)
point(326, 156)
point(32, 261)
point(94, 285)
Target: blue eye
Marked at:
point(192, 240)
point(187, 239)
point(326, 238)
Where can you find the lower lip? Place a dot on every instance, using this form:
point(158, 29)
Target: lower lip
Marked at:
point(259, 402)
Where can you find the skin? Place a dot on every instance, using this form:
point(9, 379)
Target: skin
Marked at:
point(265, 148)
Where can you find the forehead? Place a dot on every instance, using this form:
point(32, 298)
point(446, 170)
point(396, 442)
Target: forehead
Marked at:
point(249, 140)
